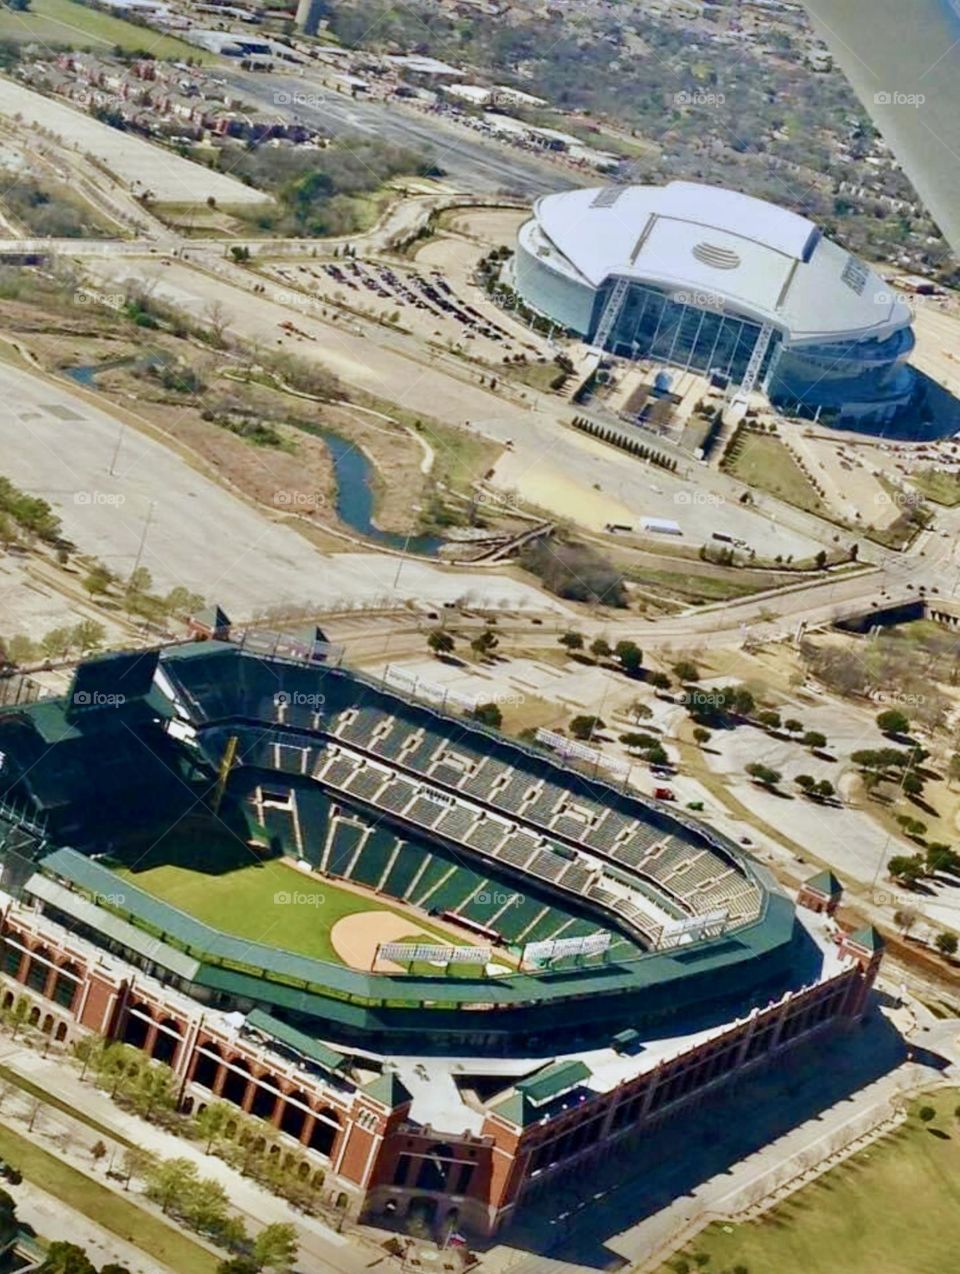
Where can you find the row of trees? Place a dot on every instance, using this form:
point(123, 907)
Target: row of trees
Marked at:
point(149, 1089)
point(633, 445)
point(203, 1206)
point(89, 634)
point(628, 655)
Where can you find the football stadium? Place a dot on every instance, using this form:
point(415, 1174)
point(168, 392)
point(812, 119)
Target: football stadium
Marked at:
point(722, 284)
point(448, 967)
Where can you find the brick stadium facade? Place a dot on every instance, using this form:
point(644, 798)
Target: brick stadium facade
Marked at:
point(359, 1139)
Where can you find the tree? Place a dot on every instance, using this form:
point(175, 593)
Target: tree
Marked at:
point(927, 1114)
point(88, 634)
point(217, 320)
point(825, 790)
point(906, 869)
point(640, 711)
point(629, 655)
point(769, 718)
point(584, 727)
point(806, 782)
point(814, 740)
point(657, 755)
point(793, 726)
point(637, 739)
point(169, 1181)
point(912, 784)
point(138, 1163)
point(489, 714)
point(701, 735)
point(97, 580)
point(484, 643)
point(140, 581)
point(211, 1121)
point(154, 1090)
point(600, 648)
point(947, 943)
point(684, 670)
point(659, 680)
point(56, 643)
point(440, 642)
point(97, 1151)
point(893, 721)
point(275, 1247)
point(21, 650)
point(821, 559)
point(763, 774)
point(905, 918)
point(66, 1258)
point(571, 639)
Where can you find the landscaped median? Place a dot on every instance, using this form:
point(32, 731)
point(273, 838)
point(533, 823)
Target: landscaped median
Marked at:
point(105, 1207)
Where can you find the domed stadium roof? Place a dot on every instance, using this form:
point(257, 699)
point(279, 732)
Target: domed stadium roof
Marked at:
point(721, 250)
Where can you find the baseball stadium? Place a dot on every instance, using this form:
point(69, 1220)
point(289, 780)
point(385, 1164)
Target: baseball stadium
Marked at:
point(722, 284)
point(447, 966)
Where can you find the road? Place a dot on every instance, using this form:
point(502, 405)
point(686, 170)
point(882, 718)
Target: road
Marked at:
point(470, 165)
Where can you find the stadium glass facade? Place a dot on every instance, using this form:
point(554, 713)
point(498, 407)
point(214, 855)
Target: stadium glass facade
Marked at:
point(706, 330)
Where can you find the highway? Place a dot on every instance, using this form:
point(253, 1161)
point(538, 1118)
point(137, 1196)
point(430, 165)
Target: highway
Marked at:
point(470, 165)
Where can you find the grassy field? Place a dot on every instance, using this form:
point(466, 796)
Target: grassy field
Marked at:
point(764, 462)
point(223, 884)
point(940, 487)
point(894, 1208)
point(64, 23)
point(118, 1215)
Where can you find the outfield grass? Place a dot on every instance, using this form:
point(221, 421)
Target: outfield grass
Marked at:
point(221, 882)
point(63, 23)
point(120, 1216)
point(894, 1208)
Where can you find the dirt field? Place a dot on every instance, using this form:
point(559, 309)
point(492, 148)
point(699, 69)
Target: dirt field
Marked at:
point(356, 938)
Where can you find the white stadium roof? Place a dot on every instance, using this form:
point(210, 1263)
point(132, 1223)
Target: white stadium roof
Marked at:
point(724, 249)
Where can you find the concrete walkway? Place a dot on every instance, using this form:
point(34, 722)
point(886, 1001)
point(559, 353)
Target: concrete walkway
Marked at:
point(52, 1219)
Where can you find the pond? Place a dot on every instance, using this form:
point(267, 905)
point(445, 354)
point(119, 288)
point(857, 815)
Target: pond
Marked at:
point(354, 474)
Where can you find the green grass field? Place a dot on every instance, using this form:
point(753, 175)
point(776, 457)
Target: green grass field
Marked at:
point(894, 1208)
point(938, 486)
point(763, 461)
point(266, 900)
point(63, 23)
point(107, 1208)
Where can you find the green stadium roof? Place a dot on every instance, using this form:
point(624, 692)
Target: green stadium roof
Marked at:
point(389, 1090)
point(553, 1081)
point(305, 1045)
point(826, 883)
point(119, 930)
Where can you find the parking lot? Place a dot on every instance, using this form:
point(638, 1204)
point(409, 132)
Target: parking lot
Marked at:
point(423, 301)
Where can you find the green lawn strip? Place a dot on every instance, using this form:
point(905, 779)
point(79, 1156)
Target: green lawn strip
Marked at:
point(58, 1103)
point(105, 1207)
point(892, 1207)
